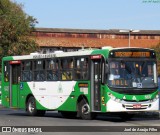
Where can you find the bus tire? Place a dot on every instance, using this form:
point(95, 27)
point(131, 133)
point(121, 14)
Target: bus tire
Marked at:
point(84, 110)
point(31, 107)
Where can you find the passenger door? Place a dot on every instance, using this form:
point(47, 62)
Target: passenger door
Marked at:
point(96, 79)
point(14, 83)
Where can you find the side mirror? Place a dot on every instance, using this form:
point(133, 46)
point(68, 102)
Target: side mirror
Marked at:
point(106, 69)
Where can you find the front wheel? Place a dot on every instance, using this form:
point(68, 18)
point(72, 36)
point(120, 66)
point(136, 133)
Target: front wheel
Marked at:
point(84, 110)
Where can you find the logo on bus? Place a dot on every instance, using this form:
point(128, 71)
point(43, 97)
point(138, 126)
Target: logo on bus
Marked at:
point(134, 98)
point(21, 86)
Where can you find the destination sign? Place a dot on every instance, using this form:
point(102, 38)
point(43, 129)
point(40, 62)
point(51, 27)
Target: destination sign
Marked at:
point(132, 54)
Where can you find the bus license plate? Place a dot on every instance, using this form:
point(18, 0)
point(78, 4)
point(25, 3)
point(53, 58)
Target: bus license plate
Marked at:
point(137, 106)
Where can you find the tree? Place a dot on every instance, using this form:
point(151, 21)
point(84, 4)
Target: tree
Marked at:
point(15, 30)
point(157, 50)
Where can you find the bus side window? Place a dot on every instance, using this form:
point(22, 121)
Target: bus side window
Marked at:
point(81, 68)
point(26, 71)
point(84, 72)
point(77, 69)
point(39, 73)
point(67, 69)
point(52, 70)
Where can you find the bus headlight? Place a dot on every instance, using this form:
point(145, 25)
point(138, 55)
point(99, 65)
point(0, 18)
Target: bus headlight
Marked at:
point(157, 96)
point(111, 96)
point(117, 100)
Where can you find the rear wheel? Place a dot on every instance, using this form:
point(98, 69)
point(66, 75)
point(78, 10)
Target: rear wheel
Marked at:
point(31, 108)
point(84, 110)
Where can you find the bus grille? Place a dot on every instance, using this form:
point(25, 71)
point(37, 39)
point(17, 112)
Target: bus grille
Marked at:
point(136, 106)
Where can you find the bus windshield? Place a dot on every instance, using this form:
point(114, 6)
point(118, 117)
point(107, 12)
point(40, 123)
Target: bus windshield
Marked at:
point(132, 74)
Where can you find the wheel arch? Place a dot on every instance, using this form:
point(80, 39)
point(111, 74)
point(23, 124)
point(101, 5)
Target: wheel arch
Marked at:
point(82, 97)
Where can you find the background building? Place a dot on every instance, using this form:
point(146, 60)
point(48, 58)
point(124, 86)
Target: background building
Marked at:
point(51, 39)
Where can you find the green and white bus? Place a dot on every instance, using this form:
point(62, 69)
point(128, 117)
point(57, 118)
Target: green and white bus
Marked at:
point(82, 83)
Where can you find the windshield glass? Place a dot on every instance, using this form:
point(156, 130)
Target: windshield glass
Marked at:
point(132, 74)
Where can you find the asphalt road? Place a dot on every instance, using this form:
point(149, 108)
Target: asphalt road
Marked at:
point(12, 118)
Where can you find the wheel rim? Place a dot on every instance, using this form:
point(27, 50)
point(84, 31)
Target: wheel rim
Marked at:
point(85, 109)
point(31, 107)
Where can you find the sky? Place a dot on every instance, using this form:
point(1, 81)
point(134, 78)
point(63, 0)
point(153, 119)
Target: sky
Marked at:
point(95, 14)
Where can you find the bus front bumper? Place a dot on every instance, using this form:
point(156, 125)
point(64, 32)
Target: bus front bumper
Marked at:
point(113, 106)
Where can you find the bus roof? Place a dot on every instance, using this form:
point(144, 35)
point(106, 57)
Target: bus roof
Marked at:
point(49, 55)
point(104, 51)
